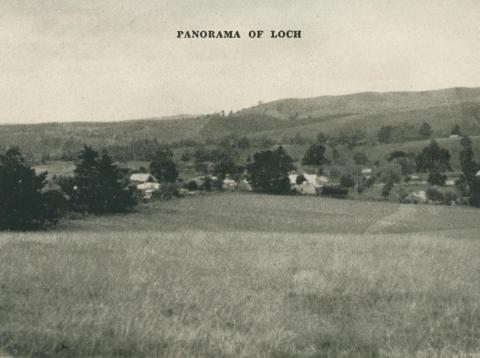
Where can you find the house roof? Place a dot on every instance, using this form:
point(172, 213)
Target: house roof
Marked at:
point(311, 178)
point(478, 174)
point(142, 177)
point(293, 178)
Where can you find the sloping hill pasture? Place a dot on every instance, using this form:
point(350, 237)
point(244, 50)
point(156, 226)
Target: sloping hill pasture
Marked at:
point(442, 109)
point(246, 275)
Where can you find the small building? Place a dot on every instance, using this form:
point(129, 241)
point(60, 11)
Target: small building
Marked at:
point(229, 184)
point(244, 185)
point(418, 197)
point(454, 136)
point(452, 178)
point(414, 180)
point(366, 173)
point(305, 184)
point(146, 183)
point(322, 180)
point(478, 174)
point(142, 178)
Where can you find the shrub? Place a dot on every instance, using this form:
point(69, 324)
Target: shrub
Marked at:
point(387, 187)
point(360, 158)
point(450, 197)
point(436, 178)
point(334, 191)
point(167, 191)
point(207, 184)
point(434, 195)
point(192, 185)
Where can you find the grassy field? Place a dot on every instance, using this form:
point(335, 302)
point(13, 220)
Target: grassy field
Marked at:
point(245, 275)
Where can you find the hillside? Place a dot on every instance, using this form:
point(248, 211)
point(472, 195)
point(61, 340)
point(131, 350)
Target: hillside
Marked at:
point(442, 109)
point(277, 120)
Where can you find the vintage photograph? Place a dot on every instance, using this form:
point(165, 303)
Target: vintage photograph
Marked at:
point(253, 179)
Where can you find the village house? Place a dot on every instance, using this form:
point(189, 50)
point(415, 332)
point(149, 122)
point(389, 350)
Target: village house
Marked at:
point(305, 184)
point(452, 178)
point(229, 184)
point(146, 183)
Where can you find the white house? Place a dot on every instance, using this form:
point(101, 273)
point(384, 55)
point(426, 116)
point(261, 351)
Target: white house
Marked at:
point(146, 183)
point(306, 184)
point(478, 174)
point(229, 184)
point(143, 178)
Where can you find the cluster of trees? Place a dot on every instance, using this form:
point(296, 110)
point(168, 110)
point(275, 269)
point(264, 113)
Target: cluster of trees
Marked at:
point(469, 182)
point(24, 202)
point(435, 160)
point(97, 186)
point(403, 132)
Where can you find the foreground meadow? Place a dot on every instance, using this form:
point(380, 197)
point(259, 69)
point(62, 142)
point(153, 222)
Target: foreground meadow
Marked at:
point(235, 275)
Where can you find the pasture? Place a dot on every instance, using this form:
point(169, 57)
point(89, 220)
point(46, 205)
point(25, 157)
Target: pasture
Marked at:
point(246, 275)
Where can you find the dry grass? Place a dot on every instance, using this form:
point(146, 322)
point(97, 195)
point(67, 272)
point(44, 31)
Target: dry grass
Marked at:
point(171, 291)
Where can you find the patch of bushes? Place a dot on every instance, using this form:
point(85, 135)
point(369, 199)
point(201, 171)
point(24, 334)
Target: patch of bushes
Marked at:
point(334, 192)
point(434, 195)
point(167, 191)
point(347, 181)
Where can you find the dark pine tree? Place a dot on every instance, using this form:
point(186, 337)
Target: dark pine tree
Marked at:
point(99, 186)
point(24, 205)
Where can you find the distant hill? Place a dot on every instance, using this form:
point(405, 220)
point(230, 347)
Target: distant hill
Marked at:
point(55, 137)
point(368, 111)
point(285, 118)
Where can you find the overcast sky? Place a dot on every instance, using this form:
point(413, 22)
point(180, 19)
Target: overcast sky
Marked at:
point(81, 60)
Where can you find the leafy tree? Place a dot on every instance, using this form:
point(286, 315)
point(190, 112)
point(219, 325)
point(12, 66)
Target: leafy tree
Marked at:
point(434, 195)
point(397, 154)
point(475, 192)
point(163, 167)
point(392, 172)
point(408, 165)
point(467, 163)
point(347, 181)
point(269, 170)
point(436, 178)
point(315, 155)
point(98, 185)
point(425, 130)
point(23, 203)
point(387, 188)
point(456, 130)
point(322, 138)
point(360, 158)
point(465, 141)
point(186, 156)
point(433, 158)
point(384, 134)
point(223, 166)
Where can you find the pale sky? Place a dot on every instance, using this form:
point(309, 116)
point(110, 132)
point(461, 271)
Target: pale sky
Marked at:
point(83, 60)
